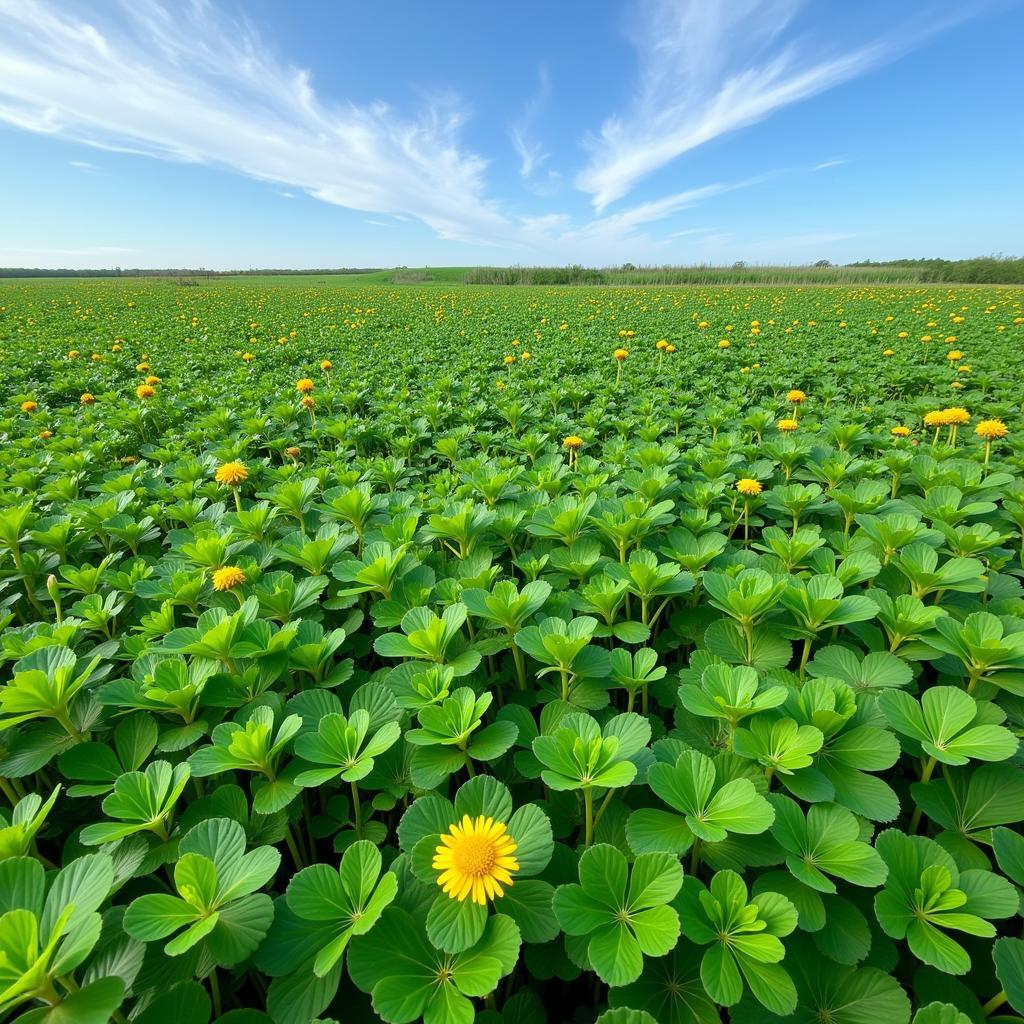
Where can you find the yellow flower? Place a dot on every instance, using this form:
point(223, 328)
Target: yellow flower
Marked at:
point(621, 353)
point(96, 357)
point(903, 334)
point(29, 406)
point(936, 418)
point(572, 442)
point(526, 355)
point(957, 417)
point(142, 367)
point(509, 360)
point(670, 349)
point(796, 396)
point(724, 343)
point(247, 357)
point(900, 431)
point(704, 325)
point(309, 402)
point(227, 578)
point(748, 487)
point(152, 380)
point(475, 859)
point(888, 352)
point(231, 474)
point(45, 435)
point(326, 365)
point(73, 354)
point(304, 386)
point(661, 345)
point(991, 429)
point(787, 426)
point(501, 385)
point(86, 398)
point(145, 391)
point(954, 355)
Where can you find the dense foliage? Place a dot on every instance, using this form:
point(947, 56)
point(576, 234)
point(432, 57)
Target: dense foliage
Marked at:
point(621, 655)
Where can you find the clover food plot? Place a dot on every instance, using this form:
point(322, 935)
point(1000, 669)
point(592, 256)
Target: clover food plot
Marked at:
point(398, 653)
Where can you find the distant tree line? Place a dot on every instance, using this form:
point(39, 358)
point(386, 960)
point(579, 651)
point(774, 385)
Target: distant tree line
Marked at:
point(979, 270)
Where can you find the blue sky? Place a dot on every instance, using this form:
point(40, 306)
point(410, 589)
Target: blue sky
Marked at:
point(316, 133)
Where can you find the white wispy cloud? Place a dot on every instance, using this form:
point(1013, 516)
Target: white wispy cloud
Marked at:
point(83, 165)
point(707, 68)
point(184, 83)
point(826, 164)
point(530, 152)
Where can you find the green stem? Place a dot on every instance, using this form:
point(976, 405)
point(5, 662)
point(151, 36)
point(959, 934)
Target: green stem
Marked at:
point(517, 657)
point(695, 857)
point(215, 991)
point(357, 815)
point(806, 654)
point(604, 803)
point(926, 774)
point(588, 812)
point(8, 791)
point(994, 1003)
point(292, 848)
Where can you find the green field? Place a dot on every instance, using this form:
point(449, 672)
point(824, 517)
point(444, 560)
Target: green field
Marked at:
point(395, 651)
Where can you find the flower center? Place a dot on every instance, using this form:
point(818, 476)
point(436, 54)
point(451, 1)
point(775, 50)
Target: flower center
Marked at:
point(474, 855)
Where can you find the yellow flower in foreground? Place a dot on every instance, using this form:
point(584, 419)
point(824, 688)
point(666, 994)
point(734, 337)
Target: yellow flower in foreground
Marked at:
point(670, 349)
point(900, 431)
point(231, 474)
point(227, 578)
point(572, 442)
point(151, 379)
point(621, 353)
point(509, 360)
point(475, 860)
point(526, 355)
point(787, 426)
point(796, 396)
point(247, 357)
point(888, 352)
point(748, 487)
point(304, 386)
point(954, 355)
point(724, 343)
point(991, 429)
point(86, 398)
point(145, 391)
point(957, 416)
point(29, 406)
point(936, 418)
point(661, 345)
